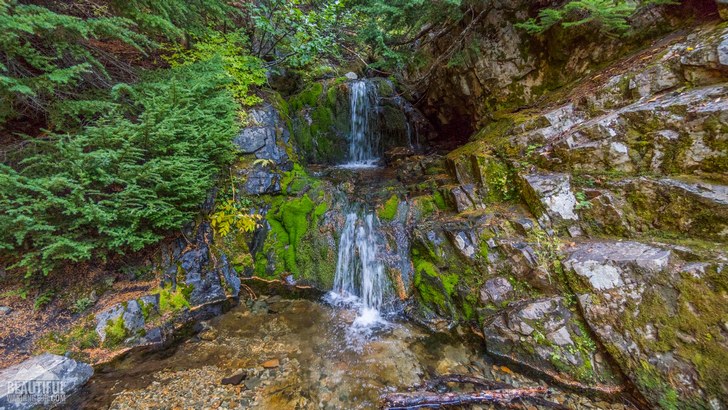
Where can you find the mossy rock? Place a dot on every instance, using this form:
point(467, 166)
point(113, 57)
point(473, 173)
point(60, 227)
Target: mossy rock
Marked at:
point(297, 244)
point(319, 118)
point(661, 319)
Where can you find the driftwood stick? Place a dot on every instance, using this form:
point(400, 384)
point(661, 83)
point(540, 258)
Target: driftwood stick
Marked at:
point(432, 384)
point(422, 399)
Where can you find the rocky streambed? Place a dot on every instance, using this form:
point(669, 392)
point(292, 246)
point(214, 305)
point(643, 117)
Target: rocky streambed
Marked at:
point(276, 353)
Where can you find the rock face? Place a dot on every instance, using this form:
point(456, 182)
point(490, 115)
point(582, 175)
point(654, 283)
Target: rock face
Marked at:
point(202, 274)
point(625, 173)
point(658, 317)
point(266, 139)
point(550, 198)
point(503, 67)
point(545, 335)
point(24, 385)
point(128, 319)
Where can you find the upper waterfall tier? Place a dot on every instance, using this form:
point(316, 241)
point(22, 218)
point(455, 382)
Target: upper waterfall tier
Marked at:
point(363, 137)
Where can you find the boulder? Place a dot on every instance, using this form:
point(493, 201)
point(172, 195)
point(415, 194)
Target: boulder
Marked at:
point(662, 320)
point(464, 242)
point(465, 197)
point(546, 336)
point(262, 180)
point(44, 380)
point(689, 207)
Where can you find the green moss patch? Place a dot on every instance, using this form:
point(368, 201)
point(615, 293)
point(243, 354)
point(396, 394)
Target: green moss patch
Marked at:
point(388, 211)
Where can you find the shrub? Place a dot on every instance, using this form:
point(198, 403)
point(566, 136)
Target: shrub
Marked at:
point(125, 179)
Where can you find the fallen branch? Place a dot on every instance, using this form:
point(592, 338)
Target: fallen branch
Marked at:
point(432, 384)
point(422, 399)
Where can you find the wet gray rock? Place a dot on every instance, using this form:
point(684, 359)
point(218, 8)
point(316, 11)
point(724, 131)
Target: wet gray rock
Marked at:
point(229, 275)
point(496, 291)
point(60, 374)
point(152, 336)
point(351, 76)
point(550, 198)
point(608, 265)
point(654, 79)
point(251, 140)
point(464, 243)
point(668, 133)
point(523, 225)
point(198, 271)
point(5, 310)
point(262, 180)
point(207, 276)
point(699, 209)
point(606, 214)
point(466, 197)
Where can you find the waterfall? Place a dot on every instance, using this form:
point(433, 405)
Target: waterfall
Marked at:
point(360, 279)
point(363, 139)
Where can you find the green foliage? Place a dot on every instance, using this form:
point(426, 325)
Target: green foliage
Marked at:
point(298, 32)
point(82, 304)
point(233, 214)
point(439, 200)
point(46, 53)
point(79, 337)
point(398, 24)
point(123, 181)
point(610, 16)
point(582, 202)
point(43, 299)
point(174, 300)
point(175, 19)
point(244, 70)
point(289, 223)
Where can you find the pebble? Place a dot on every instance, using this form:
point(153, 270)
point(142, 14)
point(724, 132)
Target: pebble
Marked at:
point(234, 379)
point(5, 310)
point(209, 335)
point(271, 364)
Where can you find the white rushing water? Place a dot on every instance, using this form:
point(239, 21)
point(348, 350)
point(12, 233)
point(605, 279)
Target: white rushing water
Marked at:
point(363, 141)
point(360, 280)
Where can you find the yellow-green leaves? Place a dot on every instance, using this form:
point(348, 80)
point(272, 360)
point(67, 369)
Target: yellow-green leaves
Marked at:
point(231, 215)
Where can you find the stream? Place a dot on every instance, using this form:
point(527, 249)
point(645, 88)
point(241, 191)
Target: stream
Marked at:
point(294, 354)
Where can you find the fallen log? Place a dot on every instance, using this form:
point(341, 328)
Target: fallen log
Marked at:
point(420, 399)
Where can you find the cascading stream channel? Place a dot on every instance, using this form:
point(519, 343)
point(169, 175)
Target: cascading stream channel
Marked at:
point(360, 282)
